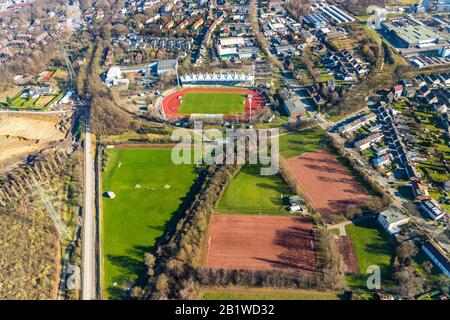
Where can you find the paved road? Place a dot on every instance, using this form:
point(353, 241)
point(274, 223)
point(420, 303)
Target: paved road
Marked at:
point(89, 263)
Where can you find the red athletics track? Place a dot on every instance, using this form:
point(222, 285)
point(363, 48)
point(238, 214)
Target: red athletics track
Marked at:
point(171, 103)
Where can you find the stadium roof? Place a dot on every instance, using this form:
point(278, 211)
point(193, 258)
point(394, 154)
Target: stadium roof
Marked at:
point(216, 77)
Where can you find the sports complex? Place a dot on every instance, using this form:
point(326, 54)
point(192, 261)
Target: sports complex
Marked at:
point(250, 227)
point(233, 103)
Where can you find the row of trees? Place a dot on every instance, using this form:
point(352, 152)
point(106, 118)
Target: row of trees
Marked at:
point(298, 8)
point(29, 244)
point(372, 204)
point(360, 6)
point(107, 116)
point(410, 283)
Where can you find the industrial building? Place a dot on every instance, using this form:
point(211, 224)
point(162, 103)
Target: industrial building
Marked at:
point(315, 20)
point(411, 36)
point(332, 13)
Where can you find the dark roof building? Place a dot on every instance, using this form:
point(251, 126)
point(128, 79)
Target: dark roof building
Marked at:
point(438, 256)
point(294, 107)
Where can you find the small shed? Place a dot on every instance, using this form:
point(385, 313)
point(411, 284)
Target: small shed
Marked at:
point(295, 200)
point(109, 195)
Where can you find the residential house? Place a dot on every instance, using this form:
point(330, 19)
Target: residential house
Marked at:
point(365, 143)
point(391, 220)
point(438, 256)
point(398, 91)
point(420, 190)
point(383, 160)
point(432, 209)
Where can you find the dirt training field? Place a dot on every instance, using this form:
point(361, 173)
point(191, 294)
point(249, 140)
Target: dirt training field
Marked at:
point(345, 246)
point(325, 182)
point(260, 243)
point(21, 135)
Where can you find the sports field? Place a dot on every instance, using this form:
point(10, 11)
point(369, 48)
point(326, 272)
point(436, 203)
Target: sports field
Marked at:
point(372, 247)
point(227, 103)
point(237, 293)
point(230, 102)
point(299, 142)
point(149, 190)
point(251, 193)
point(260, 243)
point(328, 185)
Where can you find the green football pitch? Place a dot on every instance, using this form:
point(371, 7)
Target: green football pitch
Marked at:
point(149, 191)
point(227, 103)
point(251, 193)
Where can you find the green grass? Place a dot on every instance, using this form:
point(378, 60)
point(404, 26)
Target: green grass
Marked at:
point(134, 220)
point(296, 143)
point(227, 103)
point(18, 102)
point(267, 294)
point(251, 193)
point(372, 247)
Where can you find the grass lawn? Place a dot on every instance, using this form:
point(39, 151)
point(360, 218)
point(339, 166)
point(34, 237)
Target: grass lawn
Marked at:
point(40, 103)
point(372, 247)
point(213, 103)
point(251, 193)
point(266, 294)
point(141, 211)
point(296, 143)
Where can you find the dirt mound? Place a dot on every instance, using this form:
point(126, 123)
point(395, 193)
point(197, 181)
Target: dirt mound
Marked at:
point(32, 127)
point(24, 134)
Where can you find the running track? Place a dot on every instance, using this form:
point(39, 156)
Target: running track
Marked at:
point(171, 103)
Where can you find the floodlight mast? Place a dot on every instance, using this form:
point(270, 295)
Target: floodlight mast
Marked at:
point(250, 96)
point(178, 76)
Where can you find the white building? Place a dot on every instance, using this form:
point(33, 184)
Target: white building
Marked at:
point(114, 77)
point(444, 52)
point(217, 79)
point(368, 141)
point(232, 41)
point(391, 220)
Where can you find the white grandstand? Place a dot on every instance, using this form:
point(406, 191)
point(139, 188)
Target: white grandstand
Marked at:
point(217, 79)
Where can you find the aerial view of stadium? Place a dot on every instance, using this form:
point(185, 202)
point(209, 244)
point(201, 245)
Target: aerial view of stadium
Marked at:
point(181, 155)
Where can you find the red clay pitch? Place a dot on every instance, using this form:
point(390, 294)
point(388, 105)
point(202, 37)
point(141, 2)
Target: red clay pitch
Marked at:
point(260, 243)
point(171, 103)
point(325, 182)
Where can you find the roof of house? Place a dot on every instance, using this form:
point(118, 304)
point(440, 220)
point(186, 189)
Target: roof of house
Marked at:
point(433, 206)
point(398, 88)
point(167, 64)
point(295, 106)
point(438, 253)
point(391, 215)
